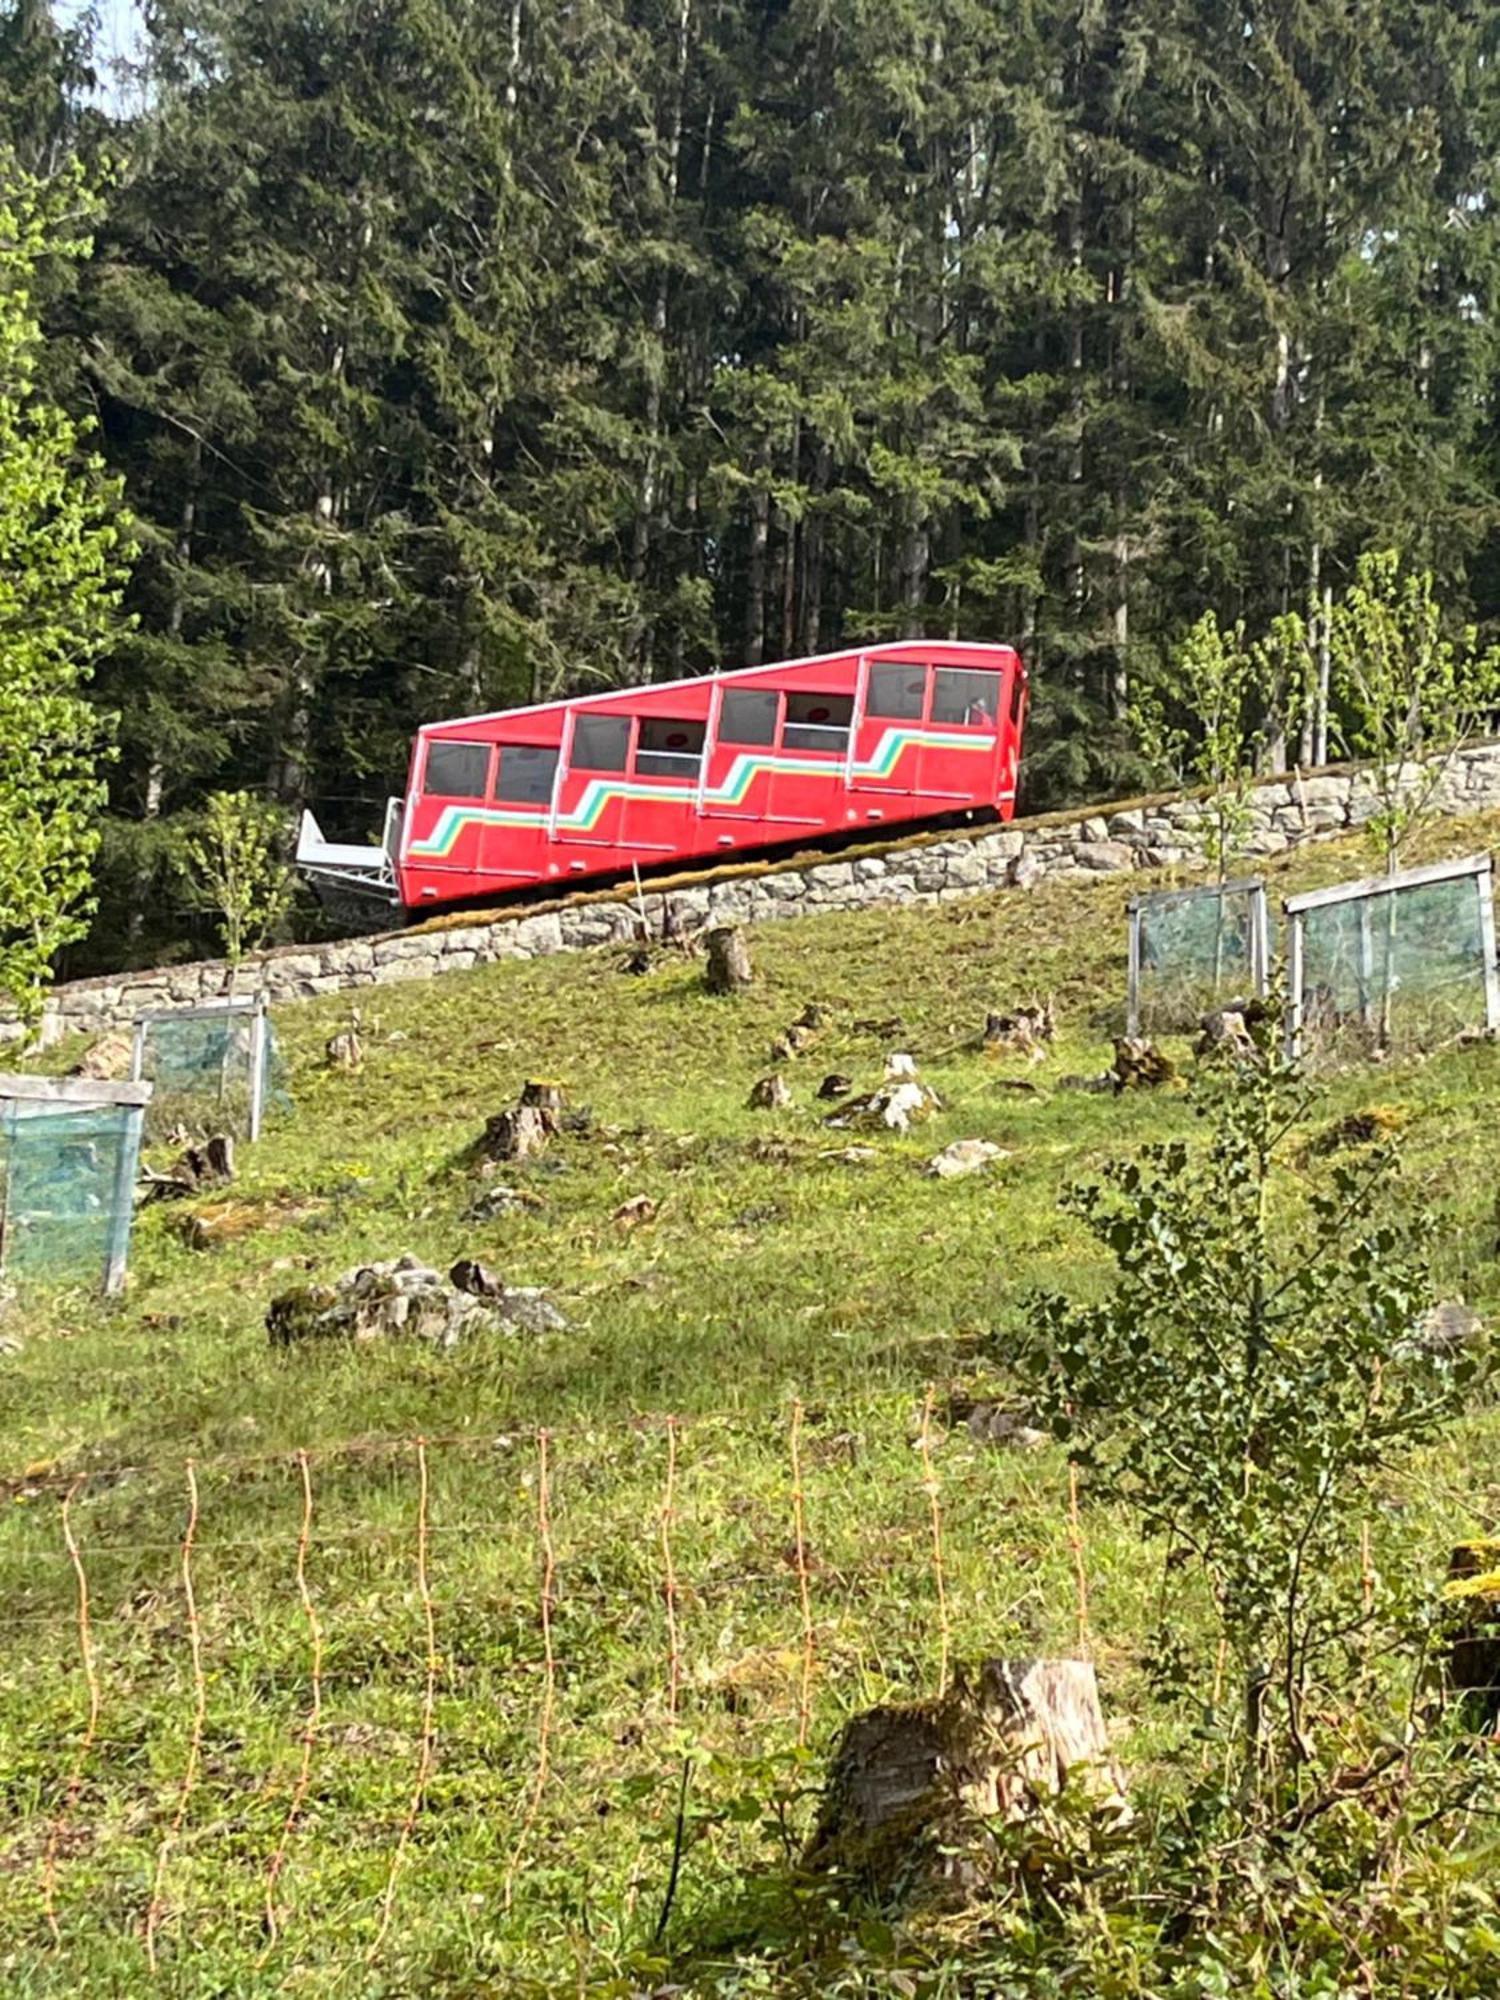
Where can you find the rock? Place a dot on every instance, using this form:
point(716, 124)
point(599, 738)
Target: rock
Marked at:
point(109, 1060)
point(835, 1084)
point(1024, 872)
point(770, 1093)
point(989, 1424)
point(1104, 857)
point(501, 1200)
point(894, 1106)
point(379, 1301)
point(964, 1156)
point(1448, 1328)
point(640, 1208)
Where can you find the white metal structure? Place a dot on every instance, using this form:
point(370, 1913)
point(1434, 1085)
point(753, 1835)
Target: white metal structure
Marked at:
point(1376, 892)
point(1205, 895)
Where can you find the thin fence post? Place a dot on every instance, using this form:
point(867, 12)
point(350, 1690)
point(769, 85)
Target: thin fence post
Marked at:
point(122, 1197)
point(315, 1707)
point(930, 1486)
point(669, 1574)
point(1294, 976)
point(259, 1057)
point(1261, 934)
point(429, 1702)
point(1080, 1571)
point(91, 1727)
point(549, 1663)
point(799, 1531)
point(1485, 884)
point(200, 1710)
point(1133, 971)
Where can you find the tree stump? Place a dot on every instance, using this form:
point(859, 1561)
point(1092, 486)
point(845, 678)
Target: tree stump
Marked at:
point(1026, 1031)
point(770, 1093)
point(914, 1792)
point(518, 1134)
point(728, 968)
point(546, 1095)
point(1473, 1622)
point(1140, 1065)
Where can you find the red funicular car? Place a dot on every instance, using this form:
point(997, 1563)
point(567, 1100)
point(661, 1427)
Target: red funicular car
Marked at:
point(691, 770)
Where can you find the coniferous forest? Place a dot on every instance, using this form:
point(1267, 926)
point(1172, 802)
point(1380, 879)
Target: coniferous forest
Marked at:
point(457, 353)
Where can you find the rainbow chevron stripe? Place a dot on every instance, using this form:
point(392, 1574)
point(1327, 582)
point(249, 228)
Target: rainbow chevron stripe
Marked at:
point(454, 821)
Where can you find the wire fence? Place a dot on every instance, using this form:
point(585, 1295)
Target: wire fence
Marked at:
point(334, 1692)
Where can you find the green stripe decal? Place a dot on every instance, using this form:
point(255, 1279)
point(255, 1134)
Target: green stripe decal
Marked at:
point(454, 820)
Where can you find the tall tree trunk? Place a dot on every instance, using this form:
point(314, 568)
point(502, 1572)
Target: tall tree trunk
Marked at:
point(155, 785)
point(647, 490)
point(755, 570)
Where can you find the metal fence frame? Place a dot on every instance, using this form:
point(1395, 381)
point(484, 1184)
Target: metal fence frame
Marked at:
point(1480, 867)
point(1163, 899)
point(251, 1005)
point(63, 1094)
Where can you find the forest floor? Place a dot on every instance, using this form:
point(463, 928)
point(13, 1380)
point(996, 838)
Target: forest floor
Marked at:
point(395, 1660)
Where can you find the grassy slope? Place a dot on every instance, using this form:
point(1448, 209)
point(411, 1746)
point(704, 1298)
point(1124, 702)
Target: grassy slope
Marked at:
point(772, 1270)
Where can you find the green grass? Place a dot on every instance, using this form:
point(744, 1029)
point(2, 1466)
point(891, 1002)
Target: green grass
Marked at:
point(773, 1270)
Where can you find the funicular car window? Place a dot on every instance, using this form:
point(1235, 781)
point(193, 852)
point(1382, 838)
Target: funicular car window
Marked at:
point(966, 695)
point(896, 689)
point(600, 742)
point(817, 722)
point(456, 770)
point(667, 748)
point(748, 715)
point(525, 774)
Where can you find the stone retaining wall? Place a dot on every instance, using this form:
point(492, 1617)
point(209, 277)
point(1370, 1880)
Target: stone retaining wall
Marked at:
point(1110, 840)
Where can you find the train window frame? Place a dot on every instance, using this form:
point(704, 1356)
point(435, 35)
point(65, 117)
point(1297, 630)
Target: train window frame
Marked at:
point(741, 742)
point(837, 733)
point(588, 719)
point(649, 761)
point(966, 720)
point(453, 745)
point(907, 714)
point(533, 796)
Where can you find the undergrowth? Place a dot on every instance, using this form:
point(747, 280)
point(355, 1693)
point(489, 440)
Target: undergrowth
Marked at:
point(755, 1510)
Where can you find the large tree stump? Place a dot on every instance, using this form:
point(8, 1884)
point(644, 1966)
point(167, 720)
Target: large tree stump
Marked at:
point(728, 969)
point(544, 1094)
point(518, 1134)
point(914, 1792)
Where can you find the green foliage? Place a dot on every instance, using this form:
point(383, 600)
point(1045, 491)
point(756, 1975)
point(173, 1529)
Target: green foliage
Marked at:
point(455, 357)
point(235, 865)
point(1255, 1369)
point(1210, 736)
point(63, 554)
point(1411, 692)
